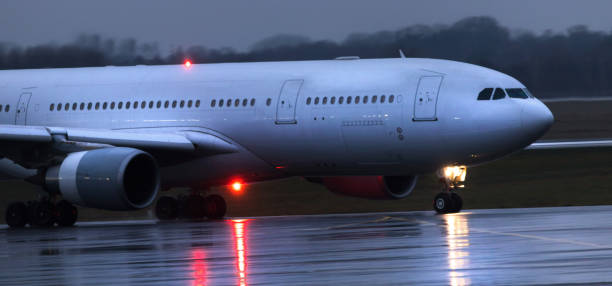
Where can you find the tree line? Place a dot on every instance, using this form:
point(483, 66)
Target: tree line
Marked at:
point(577, 62)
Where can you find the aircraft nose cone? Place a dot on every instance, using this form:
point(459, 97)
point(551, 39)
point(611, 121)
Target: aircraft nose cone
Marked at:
point(537, 119)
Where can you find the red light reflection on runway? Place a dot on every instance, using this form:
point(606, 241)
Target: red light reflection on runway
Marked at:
point(198, 267)
point(240, 240)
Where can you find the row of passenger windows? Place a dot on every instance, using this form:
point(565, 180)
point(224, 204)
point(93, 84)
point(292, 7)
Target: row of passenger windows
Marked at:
point(349, 99)
point(127, 105)
point(236, 102)
point(6, 108)
point(499, 93)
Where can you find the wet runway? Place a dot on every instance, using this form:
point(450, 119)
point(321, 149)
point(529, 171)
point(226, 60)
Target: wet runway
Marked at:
point(511, 246)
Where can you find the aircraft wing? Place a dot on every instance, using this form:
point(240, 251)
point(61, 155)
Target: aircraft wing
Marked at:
point(567, 144)
point(75, 139)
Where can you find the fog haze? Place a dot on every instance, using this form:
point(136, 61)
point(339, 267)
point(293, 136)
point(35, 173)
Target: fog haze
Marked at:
point(240, 23)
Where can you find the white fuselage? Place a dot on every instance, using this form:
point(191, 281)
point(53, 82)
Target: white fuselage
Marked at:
point(287, 117)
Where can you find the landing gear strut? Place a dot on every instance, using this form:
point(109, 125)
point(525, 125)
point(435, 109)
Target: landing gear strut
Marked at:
point(193, 206)
point(448, 201)
point(42, 213)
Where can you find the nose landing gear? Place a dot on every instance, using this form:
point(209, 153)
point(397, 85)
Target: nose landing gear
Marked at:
point(448, 201)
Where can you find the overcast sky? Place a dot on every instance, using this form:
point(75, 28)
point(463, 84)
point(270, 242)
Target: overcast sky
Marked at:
point(240, 23)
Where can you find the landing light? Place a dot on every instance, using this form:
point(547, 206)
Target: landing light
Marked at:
point(455, 173)
point(187, 63)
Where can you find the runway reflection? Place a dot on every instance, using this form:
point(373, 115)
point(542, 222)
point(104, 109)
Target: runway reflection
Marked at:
point(240, 239)
point(198, 267)
point(457, 231)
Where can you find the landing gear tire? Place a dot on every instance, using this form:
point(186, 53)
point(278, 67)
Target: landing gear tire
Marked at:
point(167, 208)
point(40, 213)
point(65, 213)
point(192, 207)
point(443, 203)
point(447, 202)
point(457, 203)
point(215, 207)
point(16, 215)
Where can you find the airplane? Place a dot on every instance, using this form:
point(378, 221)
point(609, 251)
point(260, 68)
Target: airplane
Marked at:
point(112, 138)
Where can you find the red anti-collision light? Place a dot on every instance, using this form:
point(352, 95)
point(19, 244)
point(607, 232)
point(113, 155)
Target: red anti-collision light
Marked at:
point(187, 63)
point(237, 186)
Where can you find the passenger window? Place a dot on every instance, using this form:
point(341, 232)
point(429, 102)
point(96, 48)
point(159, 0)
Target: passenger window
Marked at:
point(120, 105)
point(220, 103)
point(212, 103)
point(485, 94)
point(66, 106)
point(97, 105)
point(159, 104)
point(245, 102)
point(228, 103)
point(341, 100)
point(516, 93)
point(365, 99)
point(252, 101)
point(7, 108)
point(316, 100)
point(105, 105)
point(356, 99)
point(89, 105)
point(382, 99)
point(135, 105)
point(349, 99)
point(166, 104)
point(151, 104)
point(391, 98)
point(127, 105)
point(59, 107)
point(333, 100)
point(174, 103)
point(182, 104)
point(308, 101)
point(82, 105)
point(325, 100)
point(51, 107)
point(374, 97)
point(499, 94)
point(236, 102)
point(268, 101)
point(112, 105)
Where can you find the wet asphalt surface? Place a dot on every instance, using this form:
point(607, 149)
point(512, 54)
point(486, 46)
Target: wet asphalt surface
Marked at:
point(478, 247)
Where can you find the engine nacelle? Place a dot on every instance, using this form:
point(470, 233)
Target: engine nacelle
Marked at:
point(373, 187)
point(116, 178)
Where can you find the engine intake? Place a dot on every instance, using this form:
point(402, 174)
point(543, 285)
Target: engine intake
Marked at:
point(373, 187)
point(116, 178)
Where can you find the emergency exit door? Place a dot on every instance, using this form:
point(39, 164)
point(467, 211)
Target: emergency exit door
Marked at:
point(22, 109)
point(287, 101)
point(426, 98)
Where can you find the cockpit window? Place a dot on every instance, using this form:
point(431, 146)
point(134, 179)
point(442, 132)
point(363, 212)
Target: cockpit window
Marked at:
point(485, 94)
point(499, 94)
point(516, 93)
point(528, 93)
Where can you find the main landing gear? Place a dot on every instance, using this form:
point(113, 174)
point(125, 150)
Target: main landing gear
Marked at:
point(193, 206)
point(43, 213)
point(448, 201)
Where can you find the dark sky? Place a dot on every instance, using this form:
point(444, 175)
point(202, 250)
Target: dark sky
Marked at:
point(240, 23)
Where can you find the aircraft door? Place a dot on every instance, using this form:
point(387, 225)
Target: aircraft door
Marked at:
point(426, 98)
point(22, 108)
point(287, 101)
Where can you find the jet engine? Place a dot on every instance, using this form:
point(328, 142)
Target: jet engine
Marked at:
point(116, 178)
point(373, 187)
